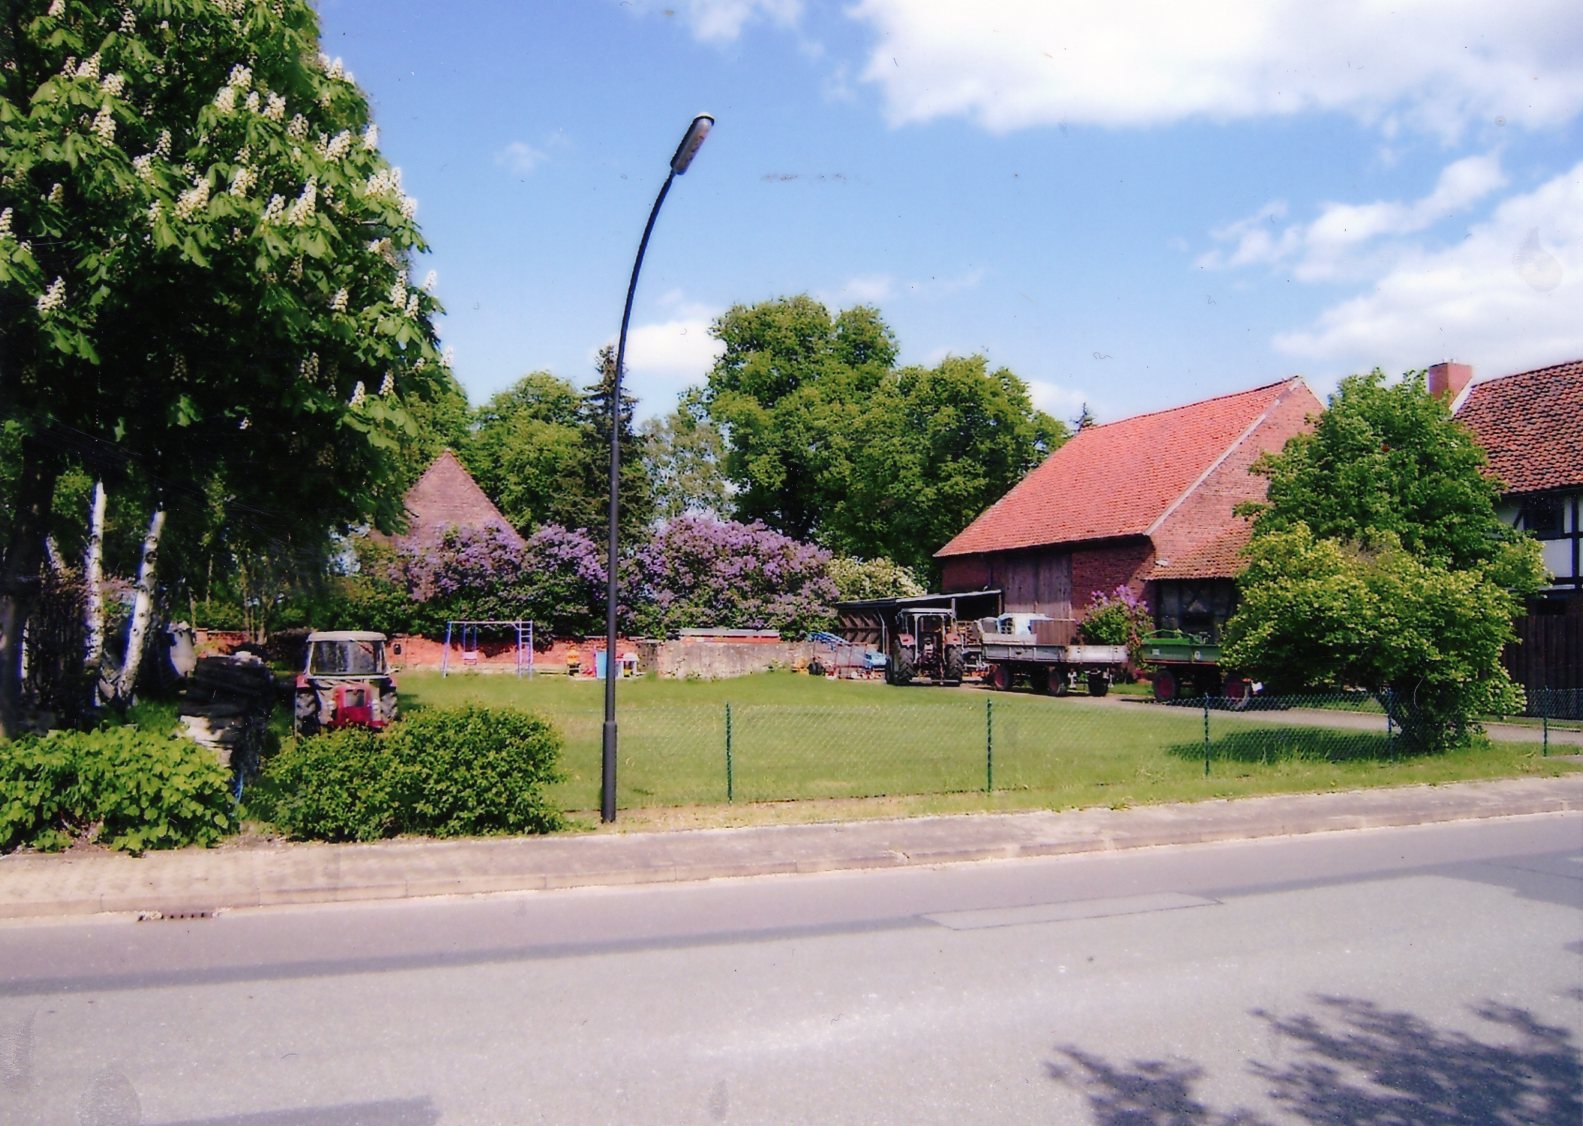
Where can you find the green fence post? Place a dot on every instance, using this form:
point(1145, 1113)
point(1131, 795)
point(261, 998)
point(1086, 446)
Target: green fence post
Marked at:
point(730, 796)
point(989, 746)
point(1544, 712)
point(1206, 734)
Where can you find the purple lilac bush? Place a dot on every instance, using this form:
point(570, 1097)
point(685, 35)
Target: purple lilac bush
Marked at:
point(697, 572)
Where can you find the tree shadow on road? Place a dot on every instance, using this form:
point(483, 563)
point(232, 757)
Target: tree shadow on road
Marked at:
point(1356, 1063)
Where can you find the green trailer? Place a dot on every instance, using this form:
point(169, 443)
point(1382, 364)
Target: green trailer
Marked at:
point(1186, 665)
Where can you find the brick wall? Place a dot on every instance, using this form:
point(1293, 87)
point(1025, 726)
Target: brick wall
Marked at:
point(1103, 569)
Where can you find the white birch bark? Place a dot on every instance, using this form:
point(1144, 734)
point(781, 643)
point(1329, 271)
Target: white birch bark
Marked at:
point(142, 608)
point(93, 580)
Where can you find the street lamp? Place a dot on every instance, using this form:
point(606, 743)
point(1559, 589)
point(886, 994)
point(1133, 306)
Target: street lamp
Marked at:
point(696, 132)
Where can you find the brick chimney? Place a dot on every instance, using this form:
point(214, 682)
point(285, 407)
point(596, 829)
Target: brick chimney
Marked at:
point(1447, 380)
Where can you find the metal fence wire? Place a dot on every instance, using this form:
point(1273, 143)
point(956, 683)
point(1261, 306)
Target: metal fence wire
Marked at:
point(951, 741)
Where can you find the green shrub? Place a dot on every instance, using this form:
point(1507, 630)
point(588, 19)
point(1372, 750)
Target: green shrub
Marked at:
point(475, 770)
point(441, 773)
point(330, 787)
point(122, 787)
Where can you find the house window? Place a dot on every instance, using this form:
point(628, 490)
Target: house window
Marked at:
point(1542, 517)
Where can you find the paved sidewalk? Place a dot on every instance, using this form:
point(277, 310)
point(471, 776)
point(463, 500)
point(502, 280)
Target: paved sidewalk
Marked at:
point(196, 880)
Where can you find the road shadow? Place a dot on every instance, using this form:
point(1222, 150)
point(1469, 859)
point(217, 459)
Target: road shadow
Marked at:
point(1353, 1062)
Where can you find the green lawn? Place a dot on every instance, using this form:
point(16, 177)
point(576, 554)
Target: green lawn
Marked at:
point(796, 738)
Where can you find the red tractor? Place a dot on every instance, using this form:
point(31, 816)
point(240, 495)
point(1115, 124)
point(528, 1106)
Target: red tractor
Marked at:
point(925, 645)
point(344, 683)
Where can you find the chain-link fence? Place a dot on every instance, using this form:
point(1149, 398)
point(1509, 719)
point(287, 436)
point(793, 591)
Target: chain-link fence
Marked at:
point(924, 741)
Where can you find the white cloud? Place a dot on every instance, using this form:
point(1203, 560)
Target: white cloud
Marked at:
point(722, 21)
point(866, 289)
point(666, 357)
point(1064, 403)
point(1505, 298)
point(521, 158)
point(1425, 65)
point(1341, 242)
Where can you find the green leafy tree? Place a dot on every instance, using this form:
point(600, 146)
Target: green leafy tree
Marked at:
point(857, 579)
point(930, 451)
point(1379, 561)
point(636, 510)
point(198, 237)
point(785, 391)
point(684, 452)
point(531, 453)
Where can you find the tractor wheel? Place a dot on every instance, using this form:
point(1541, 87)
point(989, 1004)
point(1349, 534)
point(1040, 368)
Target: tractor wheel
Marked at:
point(1165, 687)
point(1098, 684)
point(1056, 682)
point(305, 714)
point(998, 677)
point(815, 667)
point(905, 670)
point(953, 666)
point(1238, 691)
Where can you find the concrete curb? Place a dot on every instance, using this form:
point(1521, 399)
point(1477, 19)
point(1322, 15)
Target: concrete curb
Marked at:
point(200, 882)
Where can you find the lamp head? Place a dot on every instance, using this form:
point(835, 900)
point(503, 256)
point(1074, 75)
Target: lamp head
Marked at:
point(696, 132)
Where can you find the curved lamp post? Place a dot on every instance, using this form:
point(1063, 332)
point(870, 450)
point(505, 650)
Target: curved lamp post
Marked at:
point(696, 132)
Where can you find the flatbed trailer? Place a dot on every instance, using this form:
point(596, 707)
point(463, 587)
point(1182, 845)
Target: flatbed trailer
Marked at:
point(1040, 652)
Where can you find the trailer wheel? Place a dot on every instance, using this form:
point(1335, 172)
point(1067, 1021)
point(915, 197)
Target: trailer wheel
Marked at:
point(1055, 681)
point(999, 677)
point(1238, 691)
point(1098, 684)
point(1165, 687)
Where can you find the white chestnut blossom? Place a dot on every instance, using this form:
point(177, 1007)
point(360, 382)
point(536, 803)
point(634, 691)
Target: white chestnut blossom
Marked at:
point(104, 125)
point(310, 367)
point(358, 395)
point(398, 291)
point(371, 136)
point(338, 145)
point(225, 100)
point(303, 207)
point(412, 305)
point(245, 424)
point(57, 9)
point(276, 109)
point(128, 22)
point(162, 144)
point(52, 298)
point(240, 78)
point(193, 200)
point(274, 209)
point(242, 181)
point(57, 193)
point(89, 67)
point(338, 301)
point(252, 101)
point(113, 84)
point(144, 167)
point(430, 280)
point(5, 223)
point(388, 385)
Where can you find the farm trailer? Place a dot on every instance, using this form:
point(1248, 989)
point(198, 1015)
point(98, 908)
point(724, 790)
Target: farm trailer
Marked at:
point(1043, 653)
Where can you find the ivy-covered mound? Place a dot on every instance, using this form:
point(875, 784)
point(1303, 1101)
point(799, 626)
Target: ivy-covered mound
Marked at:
point(441, 773)
point(129, 789)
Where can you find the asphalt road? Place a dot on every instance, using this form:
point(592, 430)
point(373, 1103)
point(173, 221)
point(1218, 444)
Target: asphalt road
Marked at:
point(1432, 974)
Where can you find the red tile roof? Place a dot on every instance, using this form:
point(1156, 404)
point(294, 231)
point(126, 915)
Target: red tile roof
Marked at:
point(447, 496)
point(1531, 425)
point(1220, 558)
point(1121, 478)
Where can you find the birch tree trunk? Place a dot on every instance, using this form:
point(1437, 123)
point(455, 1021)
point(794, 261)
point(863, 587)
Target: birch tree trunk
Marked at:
point(93, 598)
point(142, 610)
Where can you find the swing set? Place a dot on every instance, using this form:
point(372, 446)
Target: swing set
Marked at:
point(467, 634)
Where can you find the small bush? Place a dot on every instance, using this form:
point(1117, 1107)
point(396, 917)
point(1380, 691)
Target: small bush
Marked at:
point(331, 787)
point(475, 770)
point(442, 773)
point(119, 786)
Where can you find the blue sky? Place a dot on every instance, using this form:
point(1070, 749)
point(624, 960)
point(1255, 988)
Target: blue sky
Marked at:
point(1133, 204)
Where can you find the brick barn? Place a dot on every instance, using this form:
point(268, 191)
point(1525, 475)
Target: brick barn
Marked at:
point(1145, 503)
